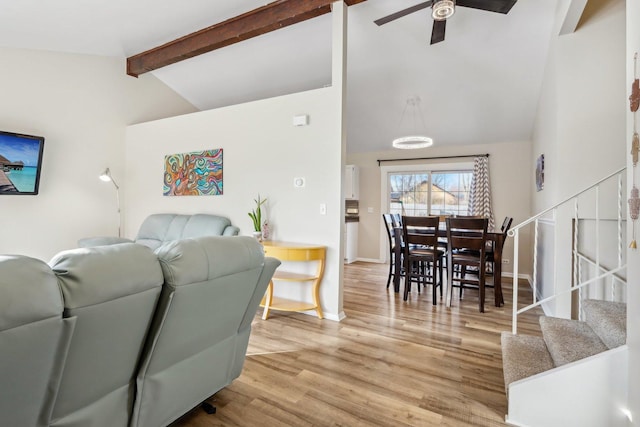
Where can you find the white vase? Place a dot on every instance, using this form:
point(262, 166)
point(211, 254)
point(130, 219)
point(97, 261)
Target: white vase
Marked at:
point(257, 235)
point(266, 231)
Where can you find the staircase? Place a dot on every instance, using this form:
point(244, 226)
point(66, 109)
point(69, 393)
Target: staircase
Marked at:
point(575, 373)
point(564, 341)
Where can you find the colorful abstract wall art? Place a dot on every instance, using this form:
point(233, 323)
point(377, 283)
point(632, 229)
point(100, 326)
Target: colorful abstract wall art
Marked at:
point(193, 174)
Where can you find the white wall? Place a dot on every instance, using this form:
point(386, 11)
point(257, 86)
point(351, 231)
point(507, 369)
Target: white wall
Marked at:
point(262, 153)
point(81, 105)
point(633, 256)
point(511, 174)
point(580, 125)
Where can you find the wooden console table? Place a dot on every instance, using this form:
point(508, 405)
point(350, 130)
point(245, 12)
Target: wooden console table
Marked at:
point(285, 251)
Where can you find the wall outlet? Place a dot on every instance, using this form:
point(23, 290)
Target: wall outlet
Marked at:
point(323, 209)
point(369, 210)
point(505, 261)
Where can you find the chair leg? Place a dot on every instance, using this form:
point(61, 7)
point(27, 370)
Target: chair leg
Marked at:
point(391, 264)
point(435, 282)
point(481, 286)
point(440, 274)
point(407, 279)
point(208, 408)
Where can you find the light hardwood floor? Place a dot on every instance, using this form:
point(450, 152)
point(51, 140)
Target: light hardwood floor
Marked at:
point(389, 363)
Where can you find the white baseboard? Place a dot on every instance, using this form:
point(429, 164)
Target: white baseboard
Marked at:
point(329, 316)
point(526, 277)
point(371, 260)
point(512, 423)
point(335, 317)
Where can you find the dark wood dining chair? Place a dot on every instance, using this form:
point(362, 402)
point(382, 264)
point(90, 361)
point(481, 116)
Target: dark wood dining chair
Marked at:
point(391, 225)
point(466, 247)
point(490, 253)
point(504, 229)
point(422, 258)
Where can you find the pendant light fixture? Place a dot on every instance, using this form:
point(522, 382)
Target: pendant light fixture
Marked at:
point(412, 108)
point(443, 9)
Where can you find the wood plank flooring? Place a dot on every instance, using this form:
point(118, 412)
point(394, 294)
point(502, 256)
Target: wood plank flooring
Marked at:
point(389, 363)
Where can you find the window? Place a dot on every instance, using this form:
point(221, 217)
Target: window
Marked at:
point(429, 193)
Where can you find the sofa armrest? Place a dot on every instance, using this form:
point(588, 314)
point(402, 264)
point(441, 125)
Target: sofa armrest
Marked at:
point(89, 242)
point(231, 230)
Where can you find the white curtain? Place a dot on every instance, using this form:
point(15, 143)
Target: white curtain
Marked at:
point(480, 192)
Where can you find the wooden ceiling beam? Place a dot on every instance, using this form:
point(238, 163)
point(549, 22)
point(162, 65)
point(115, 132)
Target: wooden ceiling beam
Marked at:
point(273, 16)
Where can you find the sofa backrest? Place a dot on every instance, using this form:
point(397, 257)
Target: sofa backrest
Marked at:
point(32, 340)
point(112, 292)
point(212, 289)
point(160, 228)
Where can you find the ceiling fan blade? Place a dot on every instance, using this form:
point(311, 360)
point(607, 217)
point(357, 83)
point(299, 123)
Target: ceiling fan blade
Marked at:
point(402, 13)
point(437, 34)
point(498, 6)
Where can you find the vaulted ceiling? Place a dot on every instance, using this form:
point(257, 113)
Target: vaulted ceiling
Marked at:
point(480, 85)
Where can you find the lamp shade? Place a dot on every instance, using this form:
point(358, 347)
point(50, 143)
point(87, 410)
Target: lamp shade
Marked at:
point(106, 175)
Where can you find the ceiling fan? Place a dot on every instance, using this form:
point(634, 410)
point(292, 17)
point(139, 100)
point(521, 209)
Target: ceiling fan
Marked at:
point(443, 9)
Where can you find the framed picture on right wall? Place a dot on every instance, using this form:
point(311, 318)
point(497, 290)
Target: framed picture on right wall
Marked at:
point(540, 173)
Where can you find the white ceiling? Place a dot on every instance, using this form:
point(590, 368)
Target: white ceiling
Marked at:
point(480, 85)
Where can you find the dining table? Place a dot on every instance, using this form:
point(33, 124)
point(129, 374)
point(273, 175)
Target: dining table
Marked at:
point(498, 242)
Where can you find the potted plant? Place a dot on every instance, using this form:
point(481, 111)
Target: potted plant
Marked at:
point(256, 217)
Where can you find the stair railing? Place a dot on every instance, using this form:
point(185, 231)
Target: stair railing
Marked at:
point(578, 284)
point(616, 279)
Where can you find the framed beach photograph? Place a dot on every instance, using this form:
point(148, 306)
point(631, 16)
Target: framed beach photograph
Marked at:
point(20, 163)
point(540, 173)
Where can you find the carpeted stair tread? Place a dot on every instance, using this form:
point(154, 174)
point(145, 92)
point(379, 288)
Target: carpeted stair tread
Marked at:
point(608, 320)
point(569, 340)
point(523, 356)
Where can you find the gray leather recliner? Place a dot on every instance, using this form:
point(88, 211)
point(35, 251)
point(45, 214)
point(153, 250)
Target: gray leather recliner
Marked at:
point(33, 341)
point(125, 336)
point(112, 292)
point(201, 330)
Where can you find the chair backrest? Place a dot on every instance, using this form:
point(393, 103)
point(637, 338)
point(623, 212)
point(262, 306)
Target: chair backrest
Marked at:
point(420, 230)
point(200, 333)
point(397, 220)
point(388, 224)
point(31, 330)
point(467, 233)
point(504, 229)
point(112, 292)
point(506, 224)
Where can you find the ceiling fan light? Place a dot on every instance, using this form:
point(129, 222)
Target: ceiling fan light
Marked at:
point(412, 142)
point(443, 9)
